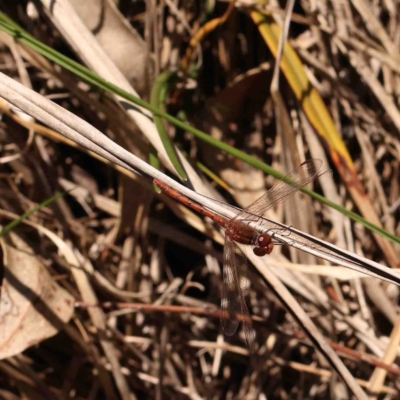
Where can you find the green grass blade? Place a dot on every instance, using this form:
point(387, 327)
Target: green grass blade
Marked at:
point(154, 161)
point(90, 77)
point(157, 99)
point(26, 215)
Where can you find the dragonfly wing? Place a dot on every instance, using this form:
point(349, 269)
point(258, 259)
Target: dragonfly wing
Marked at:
point(281, 191)
point(230, 301)
point(241, 267)
point(235, 286)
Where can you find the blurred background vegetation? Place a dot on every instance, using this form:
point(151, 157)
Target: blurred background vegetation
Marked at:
point(143, 259)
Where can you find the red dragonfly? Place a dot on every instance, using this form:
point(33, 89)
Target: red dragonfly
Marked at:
point(238, 230)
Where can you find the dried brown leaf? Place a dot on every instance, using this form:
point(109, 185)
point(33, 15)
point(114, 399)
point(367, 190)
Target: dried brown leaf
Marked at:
point(33, 306)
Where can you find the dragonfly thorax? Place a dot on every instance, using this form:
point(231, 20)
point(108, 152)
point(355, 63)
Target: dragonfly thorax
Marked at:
point(263, 245)
point(244, 234)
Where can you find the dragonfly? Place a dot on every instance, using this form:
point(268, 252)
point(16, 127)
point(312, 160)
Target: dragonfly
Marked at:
point(240, 230)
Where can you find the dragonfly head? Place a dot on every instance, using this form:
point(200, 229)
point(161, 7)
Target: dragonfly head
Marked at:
point(263, 245)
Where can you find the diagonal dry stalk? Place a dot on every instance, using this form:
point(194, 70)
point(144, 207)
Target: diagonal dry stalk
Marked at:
point(352, 64)
point(81, 132)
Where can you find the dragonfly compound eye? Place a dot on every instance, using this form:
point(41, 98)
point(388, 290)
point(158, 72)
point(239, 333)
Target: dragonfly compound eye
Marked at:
point(263, 246)
point(260, 251)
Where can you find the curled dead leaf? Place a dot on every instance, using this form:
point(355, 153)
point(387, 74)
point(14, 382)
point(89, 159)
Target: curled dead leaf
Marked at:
point(33, 306)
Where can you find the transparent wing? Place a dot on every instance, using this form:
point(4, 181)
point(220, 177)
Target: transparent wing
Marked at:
point(281, 191)
point(235, 286)
point(230, 301)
